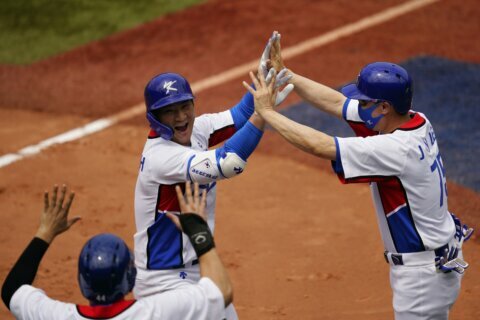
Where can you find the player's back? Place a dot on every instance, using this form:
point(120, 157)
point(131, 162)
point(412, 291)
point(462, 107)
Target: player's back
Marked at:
point(424, 183)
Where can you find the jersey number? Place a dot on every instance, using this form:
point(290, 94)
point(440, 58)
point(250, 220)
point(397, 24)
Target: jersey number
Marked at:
point(438, 165)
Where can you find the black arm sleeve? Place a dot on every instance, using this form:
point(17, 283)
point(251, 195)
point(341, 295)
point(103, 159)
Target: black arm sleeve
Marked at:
point(24, 270)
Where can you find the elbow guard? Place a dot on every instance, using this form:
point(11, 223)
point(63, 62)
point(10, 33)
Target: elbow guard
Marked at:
point(231, 164)
point(214, 165)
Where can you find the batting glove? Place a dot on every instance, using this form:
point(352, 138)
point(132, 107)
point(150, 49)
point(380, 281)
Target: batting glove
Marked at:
point(282, 77)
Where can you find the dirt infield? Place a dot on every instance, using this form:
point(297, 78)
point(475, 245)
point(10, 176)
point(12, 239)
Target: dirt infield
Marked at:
point(297, 244)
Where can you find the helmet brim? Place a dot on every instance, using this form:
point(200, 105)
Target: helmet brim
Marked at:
point(176, 98)
point(351, 91)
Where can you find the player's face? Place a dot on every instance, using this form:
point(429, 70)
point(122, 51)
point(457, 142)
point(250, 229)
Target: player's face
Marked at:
point(180, 117)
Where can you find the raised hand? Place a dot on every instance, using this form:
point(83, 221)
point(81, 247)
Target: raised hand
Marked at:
point(275, 52)
point(283, 76)
point(264, 94)
point(54, 219)
point(190, 203)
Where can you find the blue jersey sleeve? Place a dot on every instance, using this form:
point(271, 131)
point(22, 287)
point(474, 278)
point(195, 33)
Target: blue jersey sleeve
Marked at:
point(243, 142)
point(243, 110)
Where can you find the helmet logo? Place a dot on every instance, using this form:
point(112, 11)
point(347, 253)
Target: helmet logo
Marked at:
point(167, 85)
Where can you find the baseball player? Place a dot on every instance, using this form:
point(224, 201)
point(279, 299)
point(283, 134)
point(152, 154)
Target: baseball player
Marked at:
point(176, 151)
point(106, 272)
point(397, 153)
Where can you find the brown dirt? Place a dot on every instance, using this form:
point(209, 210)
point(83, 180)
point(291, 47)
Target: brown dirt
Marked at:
point(298, 245)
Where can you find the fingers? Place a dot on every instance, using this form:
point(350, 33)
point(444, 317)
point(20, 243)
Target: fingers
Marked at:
point(203, 202)
point(271, 85)
point(188, 193)
point(255, 81)
point(174, 218)
point(54, 195)
point(270, 75)
point(263, 66)
point(283, 78)
point(196, 194)
point(181, 199)
point(282, 95)
point(250, 89)
point(69, 202)
point(62, 196)
point(45, 201)
point(266, 51)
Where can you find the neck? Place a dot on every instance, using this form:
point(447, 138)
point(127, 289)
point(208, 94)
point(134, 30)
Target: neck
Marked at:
point(395, 122)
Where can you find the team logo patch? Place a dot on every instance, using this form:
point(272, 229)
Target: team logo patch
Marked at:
point(167, 85)
point(205, 169)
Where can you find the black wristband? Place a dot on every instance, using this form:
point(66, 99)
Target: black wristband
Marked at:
point(198, 231)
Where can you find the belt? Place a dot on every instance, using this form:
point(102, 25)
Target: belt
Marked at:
point(416, 258)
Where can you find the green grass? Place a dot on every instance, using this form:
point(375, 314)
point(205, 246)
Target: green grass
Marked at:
point(32, 30)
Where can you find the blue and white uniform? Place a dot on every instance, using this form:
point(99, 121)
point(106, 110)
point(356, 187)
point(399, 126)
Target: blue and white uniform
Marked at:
point(407, 179)
point(164, 256)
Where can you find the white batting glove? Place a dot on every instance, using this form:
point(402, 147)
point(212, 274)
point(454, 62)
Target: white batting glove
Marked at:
point(281, 79)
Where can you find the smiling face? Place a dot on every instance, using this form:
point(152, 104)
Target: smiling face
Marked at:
point(179, 117)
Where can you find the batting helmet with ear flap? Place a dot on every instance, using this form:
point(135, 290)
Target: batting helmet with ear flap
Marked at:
point(106, 270)
point(163, 90)
point(383, 81)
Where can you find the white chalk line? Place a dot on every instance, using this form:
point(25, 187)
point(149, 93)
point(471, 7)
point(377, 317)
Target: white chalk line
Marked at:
point(217, 79)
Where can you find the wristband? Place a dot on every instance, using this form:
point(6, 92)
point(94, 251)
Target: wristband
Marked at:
point(198, 232)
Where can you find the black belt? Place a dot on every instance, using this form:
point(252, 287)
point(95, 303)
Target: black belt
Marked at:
point(398, 259)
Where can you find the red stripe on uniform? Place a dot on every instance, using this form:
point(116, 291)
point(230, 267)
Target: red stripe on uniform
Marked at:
point(105, 312)
point(167, 197)
point(361, 130)
point(221, 135)
point(392, 194)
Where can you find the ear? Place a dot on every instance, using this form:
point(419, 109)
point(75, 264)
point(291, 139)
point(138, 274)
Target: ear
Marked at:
point(386, 108)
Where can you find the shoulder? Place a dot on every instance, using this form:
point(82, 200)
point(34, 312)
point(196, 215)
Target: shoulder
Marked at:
point(28, 302)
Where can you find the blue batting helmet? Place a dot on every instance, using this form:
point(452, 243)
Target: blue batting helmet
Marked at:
point(106, 270)
point(383, 81)
point(163, 90)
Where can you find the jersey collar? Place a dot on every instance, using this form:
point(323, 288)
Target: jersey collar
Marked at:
point(105, 312)
point(415, 122)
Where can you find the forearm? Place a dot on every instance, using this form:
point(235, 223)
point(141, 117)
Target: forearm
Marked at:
point(212, 267)
point(257, 121)
point(303, 137)
point(25, 269)
point(319, 95)
point(242, 111)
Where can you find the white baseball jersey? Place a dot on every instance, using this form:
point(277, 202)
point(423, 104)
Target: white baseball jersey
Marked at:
point(201, 301)
point(407, 180)
point(159, 245)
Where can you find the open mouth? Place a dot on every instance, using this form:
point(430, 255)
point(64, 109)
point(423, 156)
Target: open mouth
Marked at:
point(182, 128)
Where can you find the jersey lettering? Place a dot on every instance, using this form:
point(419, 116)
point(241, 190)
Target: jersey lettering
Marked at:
point(142, 163)
point(438, 165)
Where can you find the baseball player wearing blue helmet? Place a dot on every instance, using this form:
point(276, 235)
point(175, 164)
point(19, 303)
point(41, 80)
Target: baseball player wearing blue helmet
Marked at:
point(397, 153)
point(106, 272)
point(182, 147)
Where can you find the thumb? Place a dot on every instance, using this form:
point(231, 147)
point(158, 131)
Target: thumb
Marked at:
point(72, 221)
point(175, 220)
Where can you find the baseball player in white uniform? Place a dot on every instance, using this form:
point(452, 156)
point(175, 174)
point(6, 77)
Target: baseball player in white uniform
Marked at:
point(176, 151)
point(397, 153)
point(107, 273)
